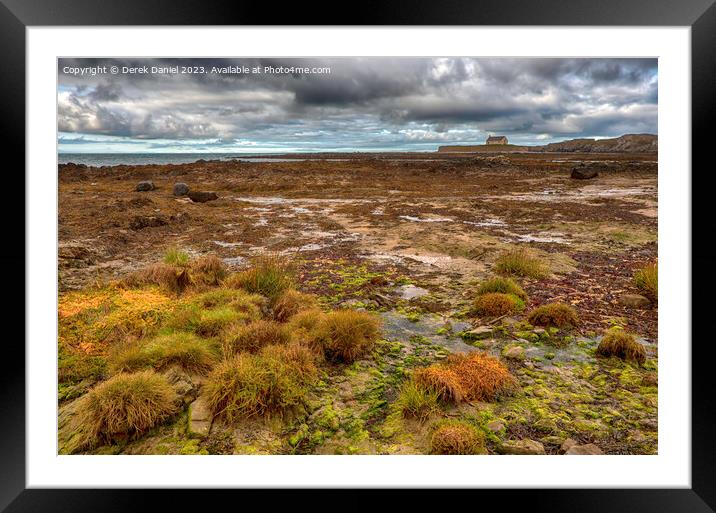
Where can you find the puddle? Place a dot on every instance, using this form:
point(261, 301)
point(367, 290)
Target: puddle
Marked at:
point(411, 292)
point(398, 328)
point(382, 256)
point(237, 261)
point(487, 223)
point(227, 244)
point(554, 238)
point(312, 247)
point(434, 260)
point(585, 192)
point(430, 260)
point(276, 200)
point(427, 219)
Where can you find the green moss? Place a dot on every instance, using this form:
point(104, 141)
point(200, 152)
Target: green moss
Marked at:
point(413, 316)
point(192, 447)
point(328, 418)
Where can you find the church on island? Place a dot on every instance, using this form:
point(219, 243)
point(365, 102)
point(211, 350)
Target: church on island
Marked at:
point(496, 139)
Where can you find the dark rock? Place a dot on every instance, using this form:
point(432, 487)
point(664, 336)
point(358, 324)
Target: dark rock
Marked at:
point(181, 189)
point(141, 222)
point(146, 185)
point(584, 173)
point(202, 197)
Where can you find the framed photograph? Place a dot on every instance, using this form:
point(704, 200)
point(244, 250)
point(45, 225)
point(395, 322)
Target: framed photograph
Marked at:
point(422, 252)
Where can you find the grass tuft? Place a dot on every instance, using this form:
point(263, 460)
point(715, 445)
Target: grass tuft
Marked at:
point(212, 322)
point(290, 302)
point(456, 437)
point(346, 335)
point(466, 377)
point(306, 321)
point(646, 280)
point(271, 382)
point(208, 270)
point(176, 257)
point(269, 276)
point(124, 406)
point(184, 350)
point(417, 402)
point(520, 262)
point(172, 278)
point(502, 285)
point(619, 343)
point(558, 315)
point(254, 336)
point(495, 304)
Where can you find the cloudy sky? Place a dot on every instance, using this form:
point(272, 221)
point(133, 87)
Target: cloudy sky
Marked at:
point(346, 104)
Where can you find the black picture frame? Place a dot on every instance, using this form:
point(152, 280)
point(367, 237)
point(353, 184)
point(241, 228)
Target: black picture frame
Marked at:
point(700, 15)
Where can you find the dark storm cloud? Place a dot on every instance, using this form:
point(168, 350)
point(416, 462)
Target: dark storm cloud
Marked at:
point(362, 101)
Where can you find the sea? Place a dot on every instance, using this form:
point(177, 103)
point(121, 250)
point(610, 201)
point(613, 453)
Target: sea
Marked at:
point(135, 159)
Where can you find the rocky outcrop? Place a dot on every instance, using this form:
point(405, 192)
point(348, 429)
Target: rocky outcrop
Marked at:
point(75, 256)
point(629, 143)
point(583, 172)
point(141, 222)
point(202, 197)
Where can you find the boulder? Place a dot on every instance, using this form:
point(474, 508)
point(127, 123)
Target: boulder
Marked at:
point(584, 173)
point(185, 386)
point(581, 450)
point(141, 222)
point(525, 446)
point(202, 197)
point(199, 418)
point(568, 444)
point(181, 189)
point(514, 353)
point(634, 301)
point(479, 333)
point(143, 186)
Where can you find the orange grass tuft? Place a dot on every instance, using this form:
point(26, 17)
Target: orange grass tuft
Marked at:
point(495, 304)
point(558, 315)
point(619, 343)
point(467, 377)
point(456, 437)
